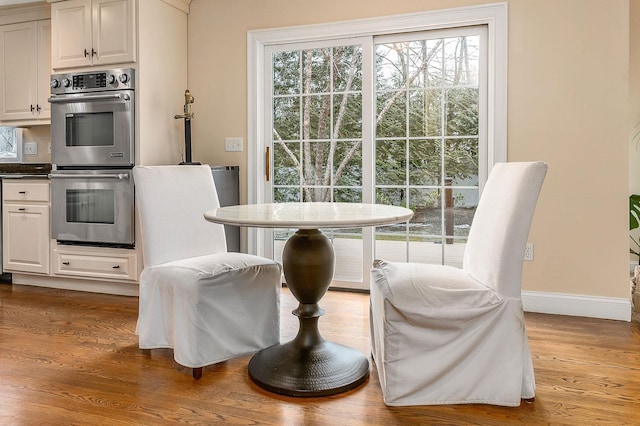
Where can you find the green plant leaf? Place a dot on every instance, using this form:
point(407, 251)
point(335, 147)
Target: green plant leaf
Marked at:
point(634, 211)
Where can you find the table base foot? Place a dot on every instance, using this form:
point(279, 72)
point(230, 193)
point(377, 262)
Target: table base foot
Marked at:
point(323, 369)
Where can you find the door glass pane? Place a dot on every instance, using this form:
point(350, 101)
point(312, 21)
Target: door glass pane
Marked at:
point(317, 139)
point(423, 139)
point(92, 129)
point(427, 144)
point(91, 206)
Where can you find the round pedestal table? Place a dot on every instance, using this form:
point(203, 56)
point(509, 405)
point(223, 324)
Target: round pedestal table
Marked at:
point(308, 365)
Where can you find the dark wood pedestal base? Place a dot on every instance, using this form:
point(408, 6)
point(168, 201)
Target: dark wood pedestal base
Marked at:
point(308, 365)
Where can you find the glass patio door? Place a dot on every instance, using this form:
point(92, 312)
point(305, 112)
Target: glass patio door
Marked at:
point(430, 140)
point(318, 124)
point(397, 119)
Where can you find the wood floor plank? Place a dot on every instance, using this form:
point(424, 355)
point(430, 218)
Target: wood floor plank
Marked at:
point(72, 358)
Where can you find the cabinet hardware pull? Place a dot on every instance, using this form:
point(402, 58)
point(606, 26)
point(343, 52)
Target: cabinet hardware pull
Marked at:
point(38, 108)
point(65, 263)
point(116, 267)
point(86, 53)
point(22, 192)
point(31, 108)
point(267, 164)
point(93, 52)
point(22, 209)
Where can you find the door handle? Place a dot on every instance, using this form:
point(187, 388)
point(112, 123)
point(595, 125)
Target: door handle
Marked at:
point(119, 176)
point(267, 164)
point(86, 98)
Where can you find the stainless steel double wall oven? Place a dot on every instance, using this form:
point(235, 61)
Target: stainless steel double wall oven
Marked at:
point(93, 152)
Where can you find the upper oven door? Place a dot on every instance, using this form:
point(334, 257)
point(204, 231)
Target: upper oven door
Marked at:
point(93, 129)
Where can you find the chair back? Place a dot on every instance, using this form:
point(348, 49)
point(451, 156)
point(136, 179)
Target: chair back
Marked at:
point(498, 235)
point(171, 201)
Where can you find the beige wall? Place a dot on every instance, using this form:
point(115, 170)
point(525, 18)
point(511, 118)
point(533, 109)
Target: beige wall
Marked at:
point(41, 135)
point(568, 91)
point(161, 81)
point(634, 107)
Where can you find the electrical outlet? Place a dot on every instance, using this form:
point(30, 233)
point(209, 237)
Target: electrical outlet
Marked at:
point(30, 148)
point(233, 144)
point(528, 252)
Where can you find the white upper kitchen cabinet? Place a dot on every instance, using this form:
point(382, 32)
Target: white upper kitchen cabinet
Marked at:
point(25, 65)
point(93, 32)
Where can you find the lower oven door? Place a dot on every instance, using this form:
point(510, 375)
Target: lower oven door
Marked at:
point(94, 207)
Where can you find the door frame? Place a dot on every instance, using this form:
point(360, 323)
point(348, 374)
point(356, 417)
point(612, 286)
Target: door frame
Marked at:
point(494, 16)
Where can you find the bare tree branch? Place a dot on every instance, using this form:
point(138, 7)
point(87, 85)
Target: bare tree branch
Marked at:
point(353, 68)
point(290, 153)
point(411, 79)
point(347, 158)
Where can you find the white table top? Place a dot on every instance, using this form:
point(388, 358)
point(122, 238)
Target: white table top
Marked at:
point(309, 215)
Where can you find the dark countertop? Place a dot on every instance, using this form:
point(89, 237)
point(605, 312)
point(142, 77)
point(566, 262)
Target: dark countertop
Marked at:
point(24, 170)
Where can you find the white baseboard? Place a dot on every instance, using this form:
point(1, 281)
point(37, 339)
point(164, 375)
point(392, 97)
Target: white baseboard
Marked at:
point(532, 301)
point(93, 286)
point(577, 305)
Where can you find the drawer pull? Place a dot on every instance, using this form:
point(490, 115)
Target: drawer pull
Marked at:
point(22, 192)
point(65, 263)
point(22, 209)
point(116, 267)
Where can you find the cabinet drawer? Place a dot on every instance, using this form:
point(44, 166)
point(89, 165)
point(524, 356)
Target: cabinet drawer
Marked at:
point(25, 191)
point(121, 266)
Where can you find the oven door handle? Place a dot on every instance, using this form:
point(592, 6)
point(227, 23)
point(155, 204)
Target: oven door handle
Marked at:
point(108, 97)
point(119, 176)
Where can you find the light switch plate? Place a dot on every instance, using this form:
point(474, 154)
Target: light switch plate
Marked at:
point(233, 144)
point(30, 148)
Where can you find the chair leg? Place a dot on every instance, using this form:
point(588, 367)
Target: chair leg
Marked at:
point(197, 373)
point(530, 400)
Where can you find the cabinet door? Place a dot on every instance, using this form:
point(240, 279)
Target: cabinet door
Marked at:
point(25, 238)
point(113, 31)
point(71, 33)
point(43, 35)
point(18, 71)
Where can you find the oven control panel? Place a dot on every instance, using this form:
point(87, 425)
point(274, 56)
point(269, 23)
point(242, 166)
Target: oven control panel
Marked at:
point(94, 81)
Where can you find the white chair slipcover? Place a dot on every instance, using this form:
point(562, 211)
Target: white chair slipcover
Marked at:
point(206, 304)
point(444, 335)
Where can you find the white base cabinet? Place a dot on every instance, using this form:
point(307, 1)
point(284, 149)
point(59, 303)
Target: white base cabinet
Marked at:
point(25, 226)
point(34, 258)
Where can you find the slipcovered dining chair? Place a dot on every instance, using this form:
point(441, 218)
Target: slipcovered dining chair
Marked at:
point(195, 297)
point(444, 335)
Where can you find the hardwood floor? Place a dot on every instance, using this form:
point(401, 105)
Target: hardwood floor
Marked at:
point(71, 358)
